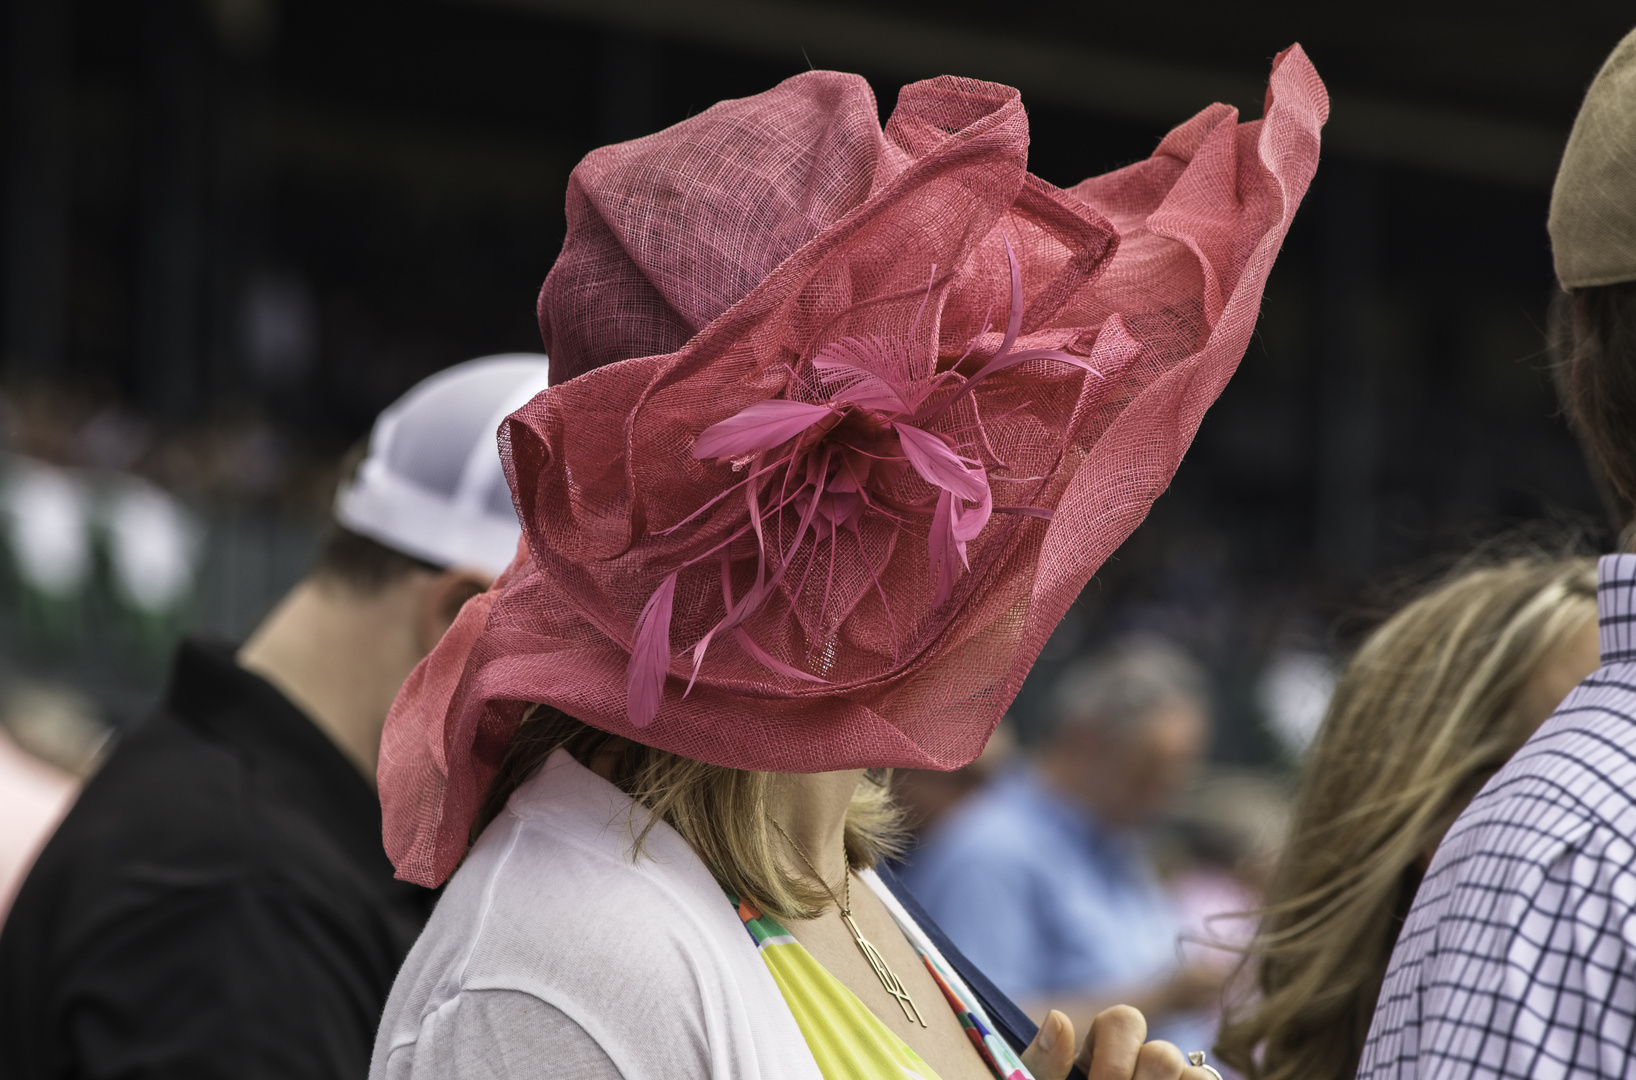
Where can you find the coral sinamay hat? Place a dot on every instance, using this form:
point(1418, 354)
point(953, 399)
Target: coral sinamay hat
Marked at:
point(842, 420)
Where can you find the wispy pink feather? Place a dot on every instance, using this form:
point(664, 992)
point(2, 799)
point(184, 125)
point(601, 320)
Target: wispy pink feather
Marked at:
point(968, 522)
point(769, 661)
point(941, 547)
point(650, 656)
point(763, 426)
point(938, 465)
point(819, 481)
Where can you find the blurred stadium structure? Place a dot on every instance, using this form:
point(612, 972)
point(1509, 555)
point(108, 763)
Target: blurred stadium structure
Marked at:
point(234, 229)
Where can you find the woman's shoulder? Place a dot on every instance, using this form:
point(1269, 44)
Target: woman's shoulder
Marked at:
point(573, 877)
point(546, 897)
point(639, 949)
point(556, 902)
point(499, 1033)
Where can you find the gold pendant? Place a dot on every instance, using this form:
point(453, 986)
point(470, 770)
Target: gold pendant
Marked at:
point(877, 963)
point(888, 978)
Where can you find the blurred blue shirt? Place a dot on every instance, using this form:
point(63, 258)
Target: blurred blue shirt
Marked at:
point(1046, 901)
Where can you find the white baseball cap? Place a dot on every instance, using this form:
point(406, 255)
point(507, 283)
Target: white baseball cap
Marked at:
point(431, 485)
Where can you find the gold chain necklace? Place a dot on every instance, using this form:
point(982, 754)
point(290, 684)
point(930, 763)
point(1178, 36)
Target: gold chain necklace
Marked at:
point(888, 978)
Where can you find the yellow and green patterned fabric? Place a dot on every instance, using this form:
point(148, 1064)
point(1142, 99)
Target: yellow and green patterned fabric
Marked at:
point(847, 1040)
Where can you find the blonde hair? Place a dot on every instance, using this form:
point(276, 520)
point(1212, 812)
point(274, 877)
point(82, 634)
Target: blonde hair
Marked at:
point(1425, 712)
point(721, 813)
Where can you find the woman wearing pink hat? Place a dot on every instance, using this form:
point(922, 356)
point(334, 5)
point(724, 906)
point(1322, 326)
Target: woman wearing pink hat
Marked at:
point(841, 421)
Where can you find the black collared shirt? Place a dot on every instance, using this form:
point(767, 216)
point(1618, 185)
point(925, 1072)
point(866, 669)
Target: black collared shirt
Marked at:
point(216, 904)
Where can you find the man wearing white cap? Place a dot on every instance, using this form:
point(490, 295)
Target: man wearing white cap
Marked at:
point(218, 903)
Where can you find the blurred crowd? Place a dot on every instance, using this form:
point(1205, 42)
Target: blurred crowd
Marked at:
point(1135, 869)
point(103, 541)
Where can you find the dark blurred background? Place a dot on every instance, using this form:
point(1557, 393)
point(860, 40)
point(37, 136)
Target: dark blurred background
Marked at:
point(234, 230)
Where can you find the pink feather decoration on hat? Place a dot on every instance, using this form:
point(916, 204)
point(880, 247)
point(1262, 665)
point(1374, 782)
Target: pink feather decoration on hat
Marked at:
point(825, 460)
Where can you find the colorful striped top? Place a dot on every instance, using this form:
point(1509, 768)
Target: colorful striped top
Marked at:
point(847, 1040)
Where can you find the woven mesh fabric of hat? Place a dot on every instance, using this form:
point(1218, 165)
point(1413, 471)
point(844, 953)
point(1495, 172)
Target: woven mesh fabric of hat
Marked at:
point(852, 612)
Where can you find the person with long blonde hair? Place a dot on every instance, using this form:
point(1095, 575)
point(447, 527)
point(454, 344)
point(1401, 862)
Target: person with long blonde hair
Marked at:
point(1433, 704)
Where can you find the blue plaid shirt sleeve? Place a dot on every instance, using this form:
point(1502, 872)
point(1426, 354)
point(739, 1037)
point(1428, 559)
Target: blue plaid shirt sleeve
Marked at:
point(1518, 958)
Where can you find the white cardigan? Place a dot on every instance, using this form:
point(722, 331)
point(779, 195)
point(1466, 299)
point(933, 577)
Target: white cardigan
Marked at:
point(554, 953)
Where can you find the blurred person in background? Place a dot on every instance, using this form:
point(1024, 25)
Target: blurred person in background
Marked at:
point(1045, 879)
point(1515, 959)
point(218, 903)
point(1436, 700)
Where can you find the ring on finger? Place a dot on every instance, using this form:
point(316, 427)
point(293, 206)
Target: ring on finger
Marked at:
point(1195, 1058)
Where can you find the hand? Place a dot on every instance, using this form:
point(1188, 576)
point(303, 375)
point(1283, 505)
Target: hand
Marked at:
point(1114, 1050)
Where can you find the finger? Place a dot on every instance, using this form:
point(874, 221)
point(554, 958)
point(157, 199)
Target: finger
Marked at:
point(1051, 1054)
point(1114, 1043)
point(1159, 1060)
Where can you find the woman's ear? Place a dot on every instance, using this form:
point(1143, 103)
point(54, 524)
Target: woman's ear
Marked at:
point(444, 596)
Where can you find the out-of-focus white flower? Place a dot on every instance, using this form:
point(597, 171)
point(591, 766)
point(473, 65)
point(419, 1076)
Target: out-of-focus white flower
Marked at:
point(1295, 691)
point(153, 545)
point(48, 524)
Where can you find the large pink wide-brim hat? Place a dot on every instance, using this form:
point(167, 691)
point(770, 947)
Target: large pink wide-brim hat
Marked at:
point(842, 420)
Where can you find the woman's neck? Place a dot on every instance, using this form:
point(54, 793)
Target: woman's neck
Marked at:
point(811, 809)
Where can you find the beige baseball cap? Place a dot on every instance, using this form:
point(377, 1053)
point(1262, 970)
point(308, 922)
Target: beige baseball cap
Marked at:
point(1593, 203)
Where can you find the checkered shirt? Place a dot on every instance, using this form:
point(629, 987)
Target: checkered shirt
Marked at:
point(1519, 956)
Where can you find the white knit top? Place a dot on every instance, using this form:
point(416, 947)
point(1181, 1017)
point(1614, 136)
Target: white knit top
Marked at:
point(554, 953)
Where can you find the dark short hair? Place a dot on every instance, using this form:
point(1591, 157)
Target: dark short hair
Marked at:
point(1596, 379)
point(347, 558)
point(361, 564)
